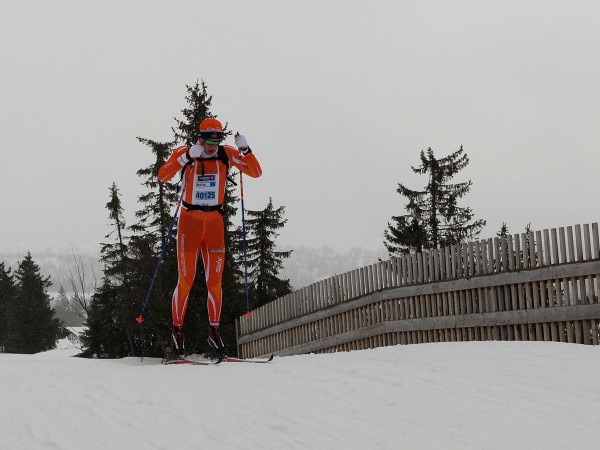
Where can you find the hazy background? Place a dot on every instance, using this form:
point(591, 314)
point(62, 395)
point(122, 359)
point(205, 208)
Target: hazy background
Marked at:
point(337, 99)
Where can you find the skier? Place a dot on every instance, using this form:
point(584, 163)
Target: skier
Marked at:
point(204, 167)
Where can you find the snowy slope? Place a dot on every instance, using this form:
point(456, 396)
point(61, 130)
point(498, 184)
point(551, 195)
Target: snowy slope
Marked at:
point(475, 395)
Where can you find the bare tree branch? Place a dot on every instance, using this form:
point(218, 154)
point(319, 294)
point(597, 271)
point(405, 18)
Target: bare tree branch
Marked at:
point(80, 297)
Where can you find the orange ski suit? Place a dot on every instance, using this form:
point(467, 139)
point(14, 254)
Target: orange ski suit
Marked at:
point(200, 227)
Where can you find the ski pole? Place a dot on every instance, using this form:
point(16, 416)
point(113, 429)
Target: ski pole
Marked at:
point(140, 318)
point(248, 313)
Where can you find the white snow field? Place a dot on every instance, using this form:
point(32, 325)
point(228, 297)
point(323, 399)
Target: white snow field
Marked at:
point(468, 395)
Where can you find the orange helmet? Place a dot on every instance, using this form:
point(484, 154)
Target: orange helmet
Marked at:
point(211, 124)
point(211, 129)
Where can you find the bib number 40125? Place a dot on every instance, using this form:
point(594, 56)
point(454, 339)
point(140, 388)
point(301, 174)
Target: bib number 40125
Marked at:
point(205, 195)
point(206, 190)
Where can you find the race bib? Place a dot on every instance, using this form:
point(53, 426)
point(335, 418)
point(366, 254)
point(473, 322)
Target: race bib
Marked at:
point(206, 190)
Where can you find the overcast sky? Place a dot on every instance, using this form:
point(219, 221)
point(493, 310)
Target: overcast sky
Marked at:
point(336, 98)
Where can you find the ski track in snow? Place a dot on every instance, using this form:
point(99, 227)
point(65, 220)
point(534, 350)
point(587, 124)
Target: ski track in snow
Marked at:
point(468, 395)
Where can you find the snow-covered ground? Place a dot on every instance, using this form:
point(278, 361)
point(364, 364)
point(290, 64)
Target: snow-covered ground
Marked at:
point(470, 395)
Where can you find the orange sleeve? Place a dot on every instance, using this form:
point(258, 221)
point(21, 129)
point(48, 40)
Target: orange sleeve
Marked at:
point(174, 164)
point(247, 164)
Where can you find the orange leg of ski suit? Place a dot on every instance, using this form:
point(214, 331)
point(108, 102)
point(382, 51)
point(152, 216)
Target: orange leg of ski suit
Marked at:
point(199, 233)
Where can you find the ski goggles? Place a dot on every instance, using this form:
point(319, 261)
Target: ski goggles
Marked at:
point(212, 135)
point(210, 142)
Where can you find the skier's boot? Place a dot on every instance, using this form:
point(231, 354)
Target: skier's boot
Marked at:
point(216, 342)
point(177, 343)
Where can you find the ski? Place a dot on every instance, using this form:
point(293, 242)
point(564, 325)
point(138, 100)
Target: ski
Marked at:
point(176, 362)
point(230, 359)
point(244, 360)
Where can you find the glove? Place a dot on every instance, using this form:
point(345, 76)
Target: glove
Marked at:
point(195, 151)
point(241, 142)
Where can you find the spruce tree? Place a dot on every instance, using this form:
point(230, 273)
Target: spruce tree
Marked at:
point(109, 325)
point(7, 296)
point(234, 295)
point(434, 219)
point(503, 230)
point(144, 246)
point(31, 325)
point(130, 262)
point(186, 132)
point(150, 233)
point(114, 254)
point(158, 202)
point(503, 233)
point(264, 262)
point(198, 108)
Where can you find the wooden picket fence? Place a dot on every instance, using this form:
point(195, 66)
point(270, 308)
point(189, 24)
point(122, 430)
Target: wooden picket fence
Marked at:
point(541, 285)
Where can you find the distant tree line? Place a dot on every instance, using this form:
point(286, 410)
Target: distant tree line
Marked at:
point(130, 254)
